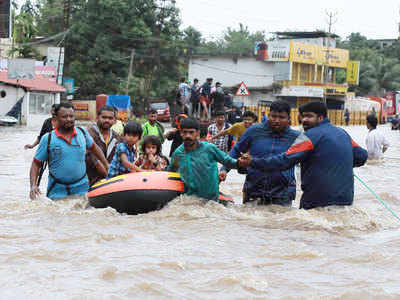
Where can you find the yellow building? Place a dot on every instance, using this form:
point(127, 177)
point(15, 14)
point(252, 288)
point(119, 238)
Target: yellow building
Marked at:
point(306, 66)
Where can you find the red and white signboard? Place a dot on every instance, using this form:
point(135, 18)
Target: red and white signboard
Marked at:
point(242, 90)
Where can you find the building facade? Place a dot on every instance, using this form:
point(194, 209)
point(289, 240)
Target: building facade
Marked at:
point(298, 67)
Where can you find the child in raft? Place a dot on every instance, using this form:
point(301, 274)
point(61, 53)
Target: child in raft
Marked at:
point(124, 158)
point(151, 158)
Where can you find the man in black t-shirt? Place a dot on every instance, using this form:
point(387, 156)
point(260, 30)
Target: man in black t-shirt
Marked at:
point(48, 125)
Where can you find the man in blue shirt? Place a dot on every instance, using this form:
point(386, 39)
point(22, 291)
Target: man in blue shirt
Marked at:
point(327, 155)
point(65, 149)
point(261, 141)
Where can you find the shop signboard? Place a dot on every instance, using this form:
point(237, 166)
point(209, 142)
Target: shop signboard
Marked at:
point(68, 83)
point(278, 51)
point(335, 90)
point(21, 68)
point(353, 72)
point(313, 54)
point(81, 110)
point(304, 53)
point(302, 91)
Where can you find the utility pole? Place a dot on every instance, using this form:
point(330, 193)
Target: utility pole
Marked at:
point(331, 20)
point(130, 71)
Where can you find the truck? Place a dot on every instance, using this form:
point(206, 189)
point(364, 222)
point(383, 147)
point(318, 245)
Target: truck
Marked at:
point(393, 104)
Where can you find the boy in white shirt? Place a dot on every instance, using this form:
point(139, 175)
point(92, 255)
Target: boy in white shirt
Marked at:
point(376, 142)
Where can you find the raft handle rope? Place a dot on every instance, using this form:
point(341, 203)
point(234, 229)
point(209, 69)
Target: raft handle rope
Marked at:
point(377, 197)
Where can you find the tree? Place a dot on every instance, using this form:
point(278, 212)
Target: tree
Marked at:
point(24, 31)
point(237, 42)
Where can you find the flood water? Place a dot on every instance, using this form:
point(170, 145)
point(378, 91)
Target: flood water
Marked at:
point(191, 250)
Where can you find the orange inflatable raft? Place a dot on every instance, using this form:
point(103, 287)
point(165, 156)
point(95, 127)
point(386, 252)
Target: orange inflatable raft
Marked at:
point(142, 192)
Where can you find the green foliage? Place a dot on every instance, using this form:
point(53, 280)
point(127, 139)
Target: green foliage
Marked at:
point(239, 42)
point(24, 31)
point(102, 35)
point(379, 68)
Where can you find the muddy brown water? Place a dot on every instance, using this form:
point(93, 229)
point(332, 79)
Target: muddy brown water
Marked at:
point(191, 250)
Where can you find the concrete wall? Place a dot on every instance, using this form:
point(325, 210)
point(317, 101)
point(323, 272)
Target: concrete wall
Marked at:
point(11, 96)
point(231, 72)
point(5, 47)
point(255, 97)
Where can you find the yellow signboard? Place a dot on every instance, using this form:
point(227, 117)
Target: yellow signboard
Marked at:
point(335, 57)
point(353, 72)
point(81, 111)
point(335, 90)
point(303, 53)
point(313, 54)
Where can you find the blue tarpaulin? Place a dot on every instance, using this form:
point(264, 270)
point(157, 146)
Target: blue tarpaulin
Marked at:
point(121, 102)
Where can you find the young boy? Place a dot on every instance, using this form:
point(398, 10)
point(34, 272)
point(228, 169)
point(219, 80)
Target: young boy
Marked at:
point(123, 161)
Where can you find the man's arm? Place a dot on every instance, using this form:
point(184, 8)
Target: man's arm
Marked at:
point(360, 155)
point(33, 175)
point(224, 158)
point(298, 152)
point(30, 146)
point(242, 146)
point(100, 156)
point(174, 165)
point(171, 134)
point(222, 133)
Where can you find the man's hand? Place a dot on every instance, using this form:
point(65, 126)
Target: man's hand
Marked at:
point(35, 192)
point(28, 146)
point(244, 161)
point(222, 176)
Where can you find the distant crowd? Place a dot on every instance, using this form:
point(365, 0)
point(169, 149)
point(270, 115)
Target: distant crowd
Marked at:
point(202, 101)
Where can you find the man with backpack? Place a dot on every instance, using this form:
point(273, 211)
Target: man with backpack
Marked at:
point(64, 149)
point(195, 97)
point(217, 98)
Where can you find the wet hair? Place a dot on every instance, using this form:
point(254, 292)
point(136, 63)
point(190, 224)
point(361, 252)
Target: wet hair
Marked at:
point(280, 106)
point(133, 128)
point(249, 113)
point(151, 140)
point(319, 108)
point(66, 105)
point(152, 112)
point(372, 120)
point(219, 113)
point(190, 123)
point(107, 108)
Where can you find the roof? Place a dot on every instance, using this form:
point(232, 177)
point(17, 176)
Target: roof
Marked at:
point(40, 83)
point(305, 34)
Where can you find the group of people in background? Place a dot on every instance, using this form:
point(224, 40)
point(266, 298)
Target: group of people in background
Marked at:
point(202, 101)
point(266, 152)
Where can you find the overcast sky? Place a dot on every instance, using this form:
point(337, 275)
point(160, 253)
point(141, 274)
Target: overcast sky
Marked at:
point(373, 19)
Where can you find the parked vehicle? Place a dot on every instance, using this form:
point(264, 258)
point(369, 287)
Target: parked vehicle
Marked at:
point(163, 112)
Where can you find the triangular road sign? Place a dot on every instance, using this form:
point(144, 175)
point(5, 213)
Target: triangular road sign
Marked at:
point(242, 90)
